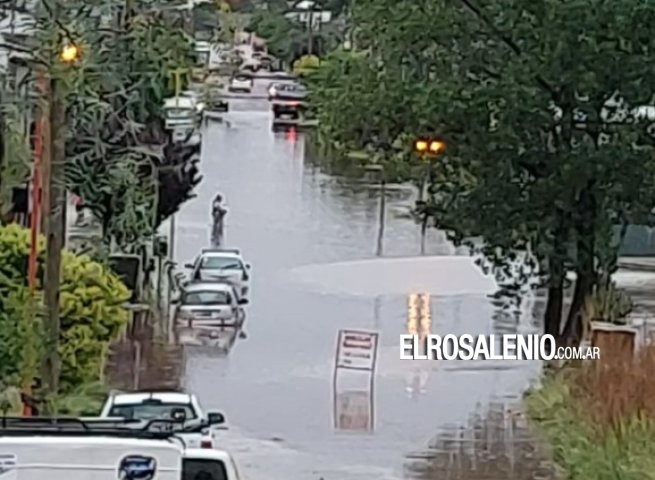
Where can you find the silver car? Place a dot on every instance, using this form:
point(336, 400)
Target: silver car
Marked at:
point(206, 304)
point(222, 265)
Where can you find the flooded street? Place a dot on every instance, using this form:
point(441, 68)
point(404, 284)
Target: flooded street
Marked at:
point(311, 241)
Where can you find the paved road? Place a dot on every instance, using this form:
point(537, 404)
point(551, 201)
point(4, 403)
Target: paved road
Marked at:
point(305, 234)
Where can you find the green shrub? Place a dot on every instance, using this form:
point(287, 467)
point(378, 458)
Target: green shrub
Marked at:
point(92, 311)
point(583, 448)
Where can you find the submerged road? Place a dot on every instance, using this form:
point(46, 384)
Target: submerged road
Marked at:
point(310, 239)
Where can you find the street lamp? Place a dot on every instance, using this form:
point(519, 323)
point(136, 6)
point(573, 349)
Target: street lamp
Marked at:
point(69, 53)
point(427, 149)
point(379, 170)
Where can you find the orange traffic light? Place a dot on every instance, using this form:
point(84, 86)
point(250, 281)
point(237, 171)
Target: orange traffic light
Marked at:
point(433, 147)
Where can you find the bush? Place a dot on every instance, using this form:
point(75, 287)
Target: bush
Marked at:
point(92, 312)
point(600, 419)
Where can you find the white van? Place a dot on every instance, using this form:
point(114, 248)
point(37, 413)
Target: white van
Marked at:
point(89, 458)
point(107, 458)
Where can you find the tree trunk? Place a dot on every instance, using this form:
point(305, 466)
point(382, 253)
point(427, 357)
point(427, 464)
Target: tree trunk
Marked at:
point(554, 304)
point(585, 266)
point(2, 160)
point(556, 277)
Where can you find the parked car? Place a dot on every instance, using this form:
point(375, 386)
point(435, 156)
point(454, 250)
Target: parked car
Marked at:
point(209, 304)
point(169, 405)
point(287, 91)
point(241, 83)
point(219, 264)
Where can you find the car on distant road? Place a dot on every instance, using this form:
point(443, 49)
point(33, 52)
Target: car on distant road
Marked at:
point(287, 91)
point(209, 304)
point(222, 265)
point(287, 112)
point(165, 405)
point(241, 83)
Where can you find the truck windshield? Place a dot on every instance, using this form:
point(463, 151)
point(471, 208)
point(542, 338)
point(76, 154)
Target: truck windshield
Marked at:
point(149, 411)
point(196, 469)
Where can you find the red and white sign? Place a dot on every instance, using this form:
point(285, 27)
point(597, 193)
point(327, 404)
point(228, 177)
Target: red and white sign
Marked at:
point(357, 350)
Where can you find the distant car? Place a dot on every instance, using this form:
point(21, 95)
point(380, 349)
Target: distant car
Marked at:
point(215, 101)
point(287, 112)
point(241, 83)
point(196, 97)
point(286, 91)
point(209, 304)
point(222, 265)
point(167, 405)
point(250, 66)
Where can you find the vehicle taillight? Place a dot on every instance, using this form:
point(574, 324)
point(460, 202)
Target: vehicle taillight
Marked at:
point(206, 444)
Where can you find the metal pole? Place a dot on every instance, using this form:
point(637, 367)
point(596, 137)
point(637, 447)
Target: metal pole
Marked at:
point(383, 205)
point(424, 198)
point(35, 221)
point(310, 28)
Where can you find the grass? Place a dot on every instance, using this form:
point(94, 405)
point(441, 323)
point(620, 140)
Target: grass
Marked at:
point(599, 418)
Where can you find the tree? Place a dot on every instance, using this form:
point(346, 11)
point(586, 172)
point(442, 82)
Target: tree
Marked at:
point(284, 37)
point(92, 313)
point(116, 122)
point(545, 155)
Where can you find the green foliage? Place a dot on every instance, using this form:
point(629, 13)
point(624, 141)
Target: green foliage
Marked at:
point(608, 303)
point(544, 153)
point(305, 65)
point(283, 36)
point(114, 96)
point(92, 312)
point(577, 446)
point(85, 400)
point(15, 155)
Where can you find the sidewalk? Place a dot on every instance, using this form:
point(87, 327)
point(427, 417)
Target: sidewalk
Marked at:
point(640, 264)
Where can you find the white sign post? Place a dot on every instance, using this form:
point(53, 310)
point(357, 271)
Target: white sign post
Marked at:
point(356, 350)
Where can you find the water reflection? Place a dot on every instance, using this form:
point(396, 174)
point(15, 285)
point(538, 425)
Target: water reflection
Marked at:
point(353, 411)
point(419, 322)
point(495, 444)
point(218, 339)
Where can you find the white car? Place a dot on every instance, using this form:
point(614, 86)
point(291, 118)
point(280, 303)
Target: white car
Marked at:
point(222, 265)
point(209, 304)
point(167, 405)
point(241, 83)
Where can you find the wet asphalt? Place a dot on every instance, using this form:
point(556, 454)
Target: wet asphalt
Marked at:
point(311, 239)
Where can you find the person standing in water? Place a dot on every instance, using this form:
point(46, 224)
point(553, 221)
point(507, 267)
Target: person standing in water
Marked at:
point(218, 218)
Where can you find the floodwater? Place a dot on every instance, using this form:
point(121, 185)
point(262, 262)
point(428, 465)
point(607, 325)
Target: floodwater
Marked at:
point(311, 239)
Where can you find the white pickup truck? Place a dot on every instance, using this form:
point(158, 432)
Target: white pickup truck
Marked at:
point(67, 451)
point(179, 406)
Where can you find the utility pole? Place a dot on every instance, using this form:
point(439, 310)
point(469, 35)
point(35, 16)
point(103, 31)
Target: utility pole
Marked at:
point(43, 135)
point(310, 30)
point(427, 150)
point(54, 183)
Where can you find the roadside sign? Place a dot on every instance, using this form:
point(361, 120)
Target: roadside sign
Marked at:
point(357, 350)
point(354, 411)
